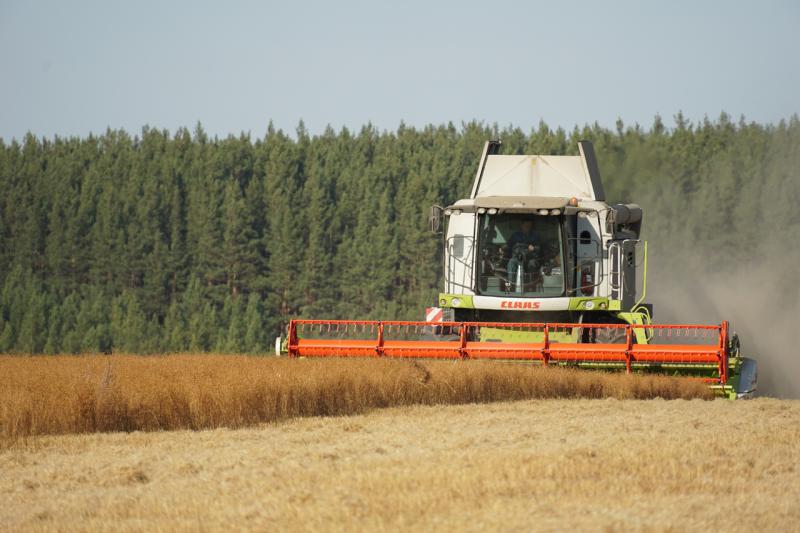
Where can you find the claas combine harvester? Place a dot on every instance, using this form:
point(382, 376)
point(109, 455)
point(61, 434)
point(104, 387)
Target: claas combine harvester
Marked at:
point(539, 268)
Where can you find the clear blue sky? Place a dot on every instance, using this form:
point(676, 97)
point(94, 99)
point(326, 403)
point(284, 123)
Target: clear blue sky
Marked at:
point(70, 68)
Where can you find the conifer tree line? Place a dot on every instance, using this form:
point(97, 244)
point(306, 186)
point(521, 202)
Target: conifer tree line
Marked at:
point(161, 242)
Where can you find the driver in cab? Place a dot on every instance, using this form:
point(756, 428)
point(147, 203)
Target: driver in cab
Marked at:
point(521, 246)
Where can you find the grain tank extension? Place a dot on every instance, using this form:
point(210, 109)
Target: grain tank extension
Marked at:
point(539, 267)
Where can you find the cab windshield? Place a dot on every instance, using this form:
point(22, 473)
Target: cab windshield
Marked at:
point(520, 256)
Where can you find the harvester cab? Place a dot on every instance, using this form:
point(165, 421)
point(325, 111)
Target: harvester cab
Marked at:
point(539, 267)
point(536, 241)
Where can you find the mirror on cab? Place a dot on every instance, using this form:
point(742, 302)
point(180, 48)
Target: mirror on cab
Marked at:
point(435, 219)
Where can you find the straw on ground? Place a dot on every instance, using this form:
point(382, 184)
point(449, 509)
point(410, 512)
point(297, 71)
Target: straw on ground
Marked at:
point(553, 465)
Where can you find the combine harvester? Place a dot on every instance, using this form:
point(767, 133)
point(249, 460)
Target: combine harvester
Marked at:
point(538, 267)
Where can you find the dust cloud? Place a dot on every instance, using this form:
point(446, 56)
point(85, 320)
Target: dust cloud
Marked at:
point(759, 301)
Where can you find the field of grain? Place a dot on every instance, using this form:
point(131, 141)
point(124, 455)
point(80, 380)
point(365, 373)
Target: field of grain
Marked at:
point(41, 395)
point(530, 465)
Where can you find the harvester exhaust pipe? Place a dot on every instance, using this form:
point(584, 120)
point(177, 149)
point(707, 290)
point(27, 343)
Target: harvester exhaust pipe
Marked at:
point(489, 148)
point(593, 169)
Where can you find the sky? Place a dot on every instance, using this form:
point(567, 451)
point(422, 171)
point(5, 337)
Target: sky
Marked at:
point(74, 68)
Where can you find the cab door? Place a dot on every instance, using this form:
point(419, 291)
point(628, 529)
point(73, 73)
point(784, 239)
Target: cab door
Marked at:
point(459, 253)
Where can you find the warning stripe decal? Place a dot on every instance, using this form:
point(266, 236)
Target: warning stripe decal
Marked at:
point(434, 314)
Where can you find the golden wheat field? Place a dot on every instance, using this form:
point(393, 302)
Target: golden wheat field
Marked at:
point(307, 445)
point(83, 394)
